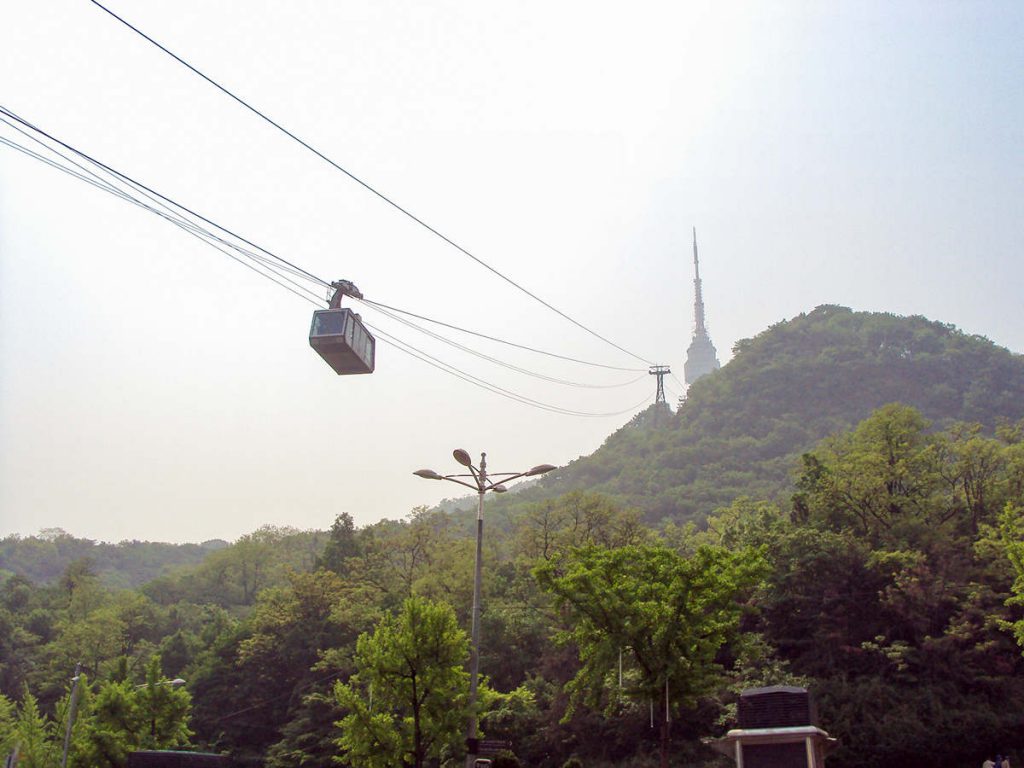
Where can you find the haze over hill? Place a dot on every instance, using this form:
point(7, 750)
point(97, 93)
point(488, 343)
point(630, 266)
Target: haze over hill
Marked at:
point(742, 428)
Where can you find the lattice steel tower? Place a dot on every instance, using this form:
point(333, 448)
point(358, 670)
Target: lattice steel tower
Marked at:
point(701, 356)
point(661, 371)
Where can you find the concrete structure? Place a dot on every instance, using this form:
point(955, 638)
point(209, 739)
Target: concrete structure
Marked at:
point(701, 356)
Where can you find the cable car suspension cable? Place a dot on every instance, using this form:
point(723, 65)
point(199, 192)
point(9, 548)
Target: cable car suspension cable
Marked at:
point(211, 239)
point(502, 363)
point(447, 368)
point(140, 185)
point(287, 265)
point(172, 218)
point(501, 341)
point(367, 186)
point(183, 224)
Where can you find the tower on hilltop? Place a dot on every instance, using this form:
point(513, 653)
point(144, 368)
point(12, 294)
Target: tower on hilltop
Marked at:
point(701, 357)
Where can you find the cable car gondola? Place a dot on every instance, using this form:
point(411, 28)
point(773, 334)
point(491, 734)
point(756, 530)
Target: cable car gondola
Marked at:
point(339, 336)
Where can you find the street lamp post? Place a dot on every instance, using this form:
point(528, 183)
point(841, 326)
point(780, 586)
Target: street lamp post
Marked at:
point(72, 710)
point(482, 482)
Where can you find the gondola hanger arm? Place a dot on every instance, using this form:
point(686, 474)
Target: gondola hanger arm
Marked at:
point(343, 288)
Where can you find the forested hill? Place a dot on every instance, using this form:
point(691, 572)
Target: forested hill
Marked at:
point(44, 558)
point(742, 429)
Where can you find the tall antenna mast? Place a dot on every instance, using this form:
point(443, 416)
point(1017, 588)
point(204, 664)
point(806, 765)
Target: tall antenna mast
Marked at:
point(701, 357)
point(698, 301)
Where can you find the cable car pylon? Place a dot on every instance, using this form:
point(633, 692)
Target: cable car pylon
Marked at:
point(661, 371)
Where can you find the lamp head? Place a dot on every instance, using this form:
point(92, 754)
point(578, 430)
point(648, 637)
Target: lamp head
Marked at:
point(462, 457)
point(540, 469)
point(499, 489)
point(428, 474)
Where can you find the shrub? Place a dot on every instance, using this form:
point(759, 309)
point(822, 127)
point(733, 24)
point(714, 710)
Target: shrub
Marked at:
point(506, 760)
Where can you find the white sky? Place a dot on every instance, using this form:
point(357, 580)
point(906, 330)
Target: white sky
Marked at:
point(864, 154)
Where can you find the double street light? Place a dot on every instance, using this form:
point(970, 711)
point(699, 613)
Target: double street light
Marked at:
point(480, 481)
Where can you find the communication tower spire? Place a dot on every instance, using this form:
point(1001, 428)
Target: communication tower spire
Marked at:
point(701, 356)
point(698, 298)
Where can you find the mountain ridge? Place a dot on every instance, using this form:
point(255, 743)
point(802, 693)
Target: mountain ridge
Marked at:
point(742, 428)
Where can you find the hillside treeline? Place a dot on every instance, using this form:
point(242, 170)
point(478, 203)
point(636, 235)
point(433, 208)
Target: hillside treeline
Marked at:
point(44, 558)
point(742, 428)
point(890, 584)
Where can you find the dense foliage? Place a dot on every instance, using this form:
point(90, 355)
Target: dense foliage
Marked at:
point(890, 584)
point(108, 721)
point(742, 428)
point(669, 615)
point(414, 663)
point(45, 557)
point(881, 564)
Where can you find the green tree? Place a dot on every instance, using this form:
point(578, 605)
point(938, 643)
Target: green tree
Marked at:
point(975, 468)
point(668, 614)
point(294, 630)
point(407, 702)
point(8, 717)
point(33, 735)
point(342, 544)
point(877, 480)
point(122, 717)
point(890, 589)
point(1011, 531)
point(577, 519)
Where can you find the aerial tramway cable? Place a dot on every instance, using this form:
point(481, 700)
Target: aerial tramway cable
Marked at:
point(140, 185)
point(431, 360)
point(367, 186)
point(496, 361)
point(189, 227)
point(501, 341)
point(83, 173)
point(286, 264)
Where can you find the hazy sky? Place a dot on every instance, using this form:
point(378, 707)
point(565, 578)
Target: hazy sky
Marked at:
point(864, 154)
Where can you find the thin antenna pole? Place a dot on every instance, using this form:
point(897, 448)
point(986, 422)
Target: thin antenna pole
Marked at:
point(698, 300)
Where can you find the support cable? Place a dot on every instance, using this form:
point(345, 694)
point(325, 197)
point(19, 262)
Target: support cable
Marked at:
point(183, 224)
point(378, 305)
point(171, 215)
point(496, 361)
point(153, 194)
point(140, 185)
point(84, 174)
point(365, 185)
point(476, 381)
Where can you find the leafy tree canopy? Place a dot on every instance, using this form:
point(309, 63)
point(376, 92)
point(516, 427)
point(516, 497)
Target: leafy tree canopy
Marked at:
point(407, 702)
